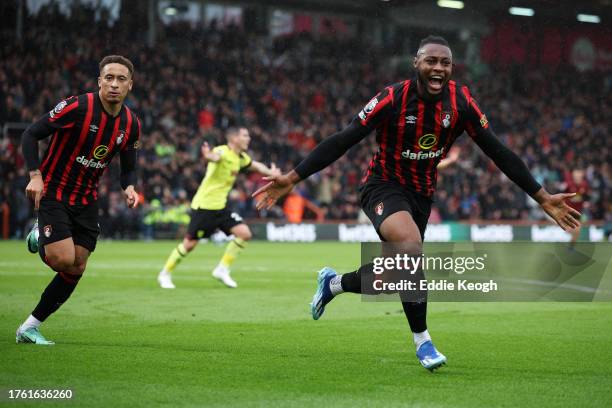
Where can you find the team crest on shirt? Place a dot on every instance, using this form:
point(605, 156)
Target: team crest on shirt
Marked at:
point(484, 122)
point(446, 117)
point(120, 137)
point(47, 230)
point(58, 108)
point(380, 207)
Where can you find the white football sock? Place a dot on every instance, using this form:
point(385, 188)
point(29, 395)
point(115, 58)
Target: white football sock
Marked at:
point(31, 321)
point(335, 285)
point(420, 338)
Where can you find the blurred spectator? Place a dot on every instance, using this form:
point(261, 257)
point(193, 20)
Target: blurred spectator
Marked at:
point(291, 93)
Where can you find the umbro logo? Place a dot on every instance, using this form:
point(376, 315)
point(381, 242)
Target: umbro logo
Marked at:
point(93, 128)
point(410, 119)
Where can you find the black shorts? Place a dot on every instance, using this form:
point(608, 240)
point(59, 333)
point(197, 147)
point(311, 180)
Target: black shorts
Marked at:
point(205, 222)
point(57, 221)
point(379, 200)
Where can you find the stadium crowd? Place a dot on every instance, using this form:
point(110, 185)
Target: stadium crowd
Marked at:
point(291, 92)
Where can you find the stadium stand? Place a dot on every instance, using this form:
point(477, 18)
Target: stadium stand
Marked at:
point(291, 92)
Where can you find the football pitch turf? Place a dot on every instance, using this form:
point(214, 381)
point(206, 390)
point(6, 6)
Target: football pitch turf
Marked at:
point(122, 341)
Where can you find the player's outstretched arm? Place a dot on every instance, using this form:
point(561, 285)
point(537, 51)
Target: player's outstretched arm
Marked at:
point(261, 168)
point(449, 160)
point(210, 154)
point(516, 170)
point(324, 154)
point(278, 186)
point(555, 206)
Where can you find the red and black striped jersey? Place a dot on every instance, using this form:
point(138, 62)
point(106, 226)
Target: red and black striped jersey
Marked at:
point(414, 134)
point(84, 141)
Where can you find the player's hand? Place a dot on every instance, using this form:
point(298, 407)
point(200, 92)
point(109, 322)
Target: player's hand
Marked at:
point(269, 194)
point(564, 215)
point(35, 187)
point(205, 150)
point(274, 171)
point(131, 197)
point(453, 155)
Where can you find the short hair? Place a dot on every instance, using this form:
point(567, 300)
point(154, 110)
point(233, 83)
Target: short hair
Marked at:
point(433, 39)
point(233, 130)
point(117, 59)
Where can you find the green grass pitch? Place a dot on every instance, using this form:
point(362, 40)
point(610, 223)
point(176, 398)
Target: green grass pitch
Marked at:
point(122, 341)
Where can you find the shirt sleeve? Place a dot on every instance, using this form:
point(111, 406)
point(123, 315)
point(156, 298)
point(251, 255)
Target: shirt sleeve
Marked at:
point(220, 150)
point(476, 122)
point(64, 115)
point(245, 161)
point(377, 110)
point(477, 126)
point(331, 148)
point(133, 143)
point(129, 156)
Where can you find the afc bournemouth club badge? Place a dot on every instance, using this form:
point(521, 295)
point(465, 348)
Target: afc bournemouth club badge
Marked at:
point(120, 137)
point(379, 208)
point(446, 117)
point(47, 230)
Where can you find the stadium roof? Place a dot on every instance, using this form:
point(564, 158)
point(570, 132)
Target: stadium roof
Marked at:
point(564, 10)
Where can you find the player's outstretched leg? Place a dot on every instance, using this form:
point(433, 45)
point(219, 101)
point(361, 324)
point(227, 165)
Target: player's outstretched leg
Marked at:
point(32, 335)
point(330, 284)
point(164, 278)
point(32, 238)
point(242, 234)
point(69, 261)
point(222, 270)
point(429, 356)
point(324, 293)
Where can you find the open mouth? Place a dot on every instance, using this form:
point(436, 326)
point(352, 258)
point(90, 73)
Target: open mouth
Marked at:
point(435, 83)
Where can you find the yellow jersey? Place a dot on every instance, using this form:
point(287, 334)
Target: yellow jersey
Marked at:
point(219, 179)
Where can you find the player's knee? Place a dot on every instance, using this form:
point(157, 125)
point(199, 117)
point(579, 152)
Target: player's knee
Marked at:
point(77, 269)
point(245, 234)
point(408, 246)
point(59, 262)
point(189, 244)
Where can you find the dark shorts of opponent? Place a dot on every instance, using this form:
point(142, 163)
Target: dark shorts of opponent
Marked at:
point(205, 222)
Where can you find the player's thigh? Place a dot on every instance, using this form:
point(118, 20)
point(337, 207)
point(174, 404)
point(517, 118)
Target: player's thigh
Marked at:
point(386, 204)
point(60, 255)
point(81, 255)
point(54, 223)
point(203, 224)
point(232, 223)
point(86, 227)
point(400, 228)
point(241, 231)
point(55, 226)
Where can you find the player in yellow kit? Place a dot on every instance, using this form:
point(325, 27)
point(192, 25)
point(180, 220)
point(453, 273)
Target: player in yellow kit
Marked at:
point(208, 207)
